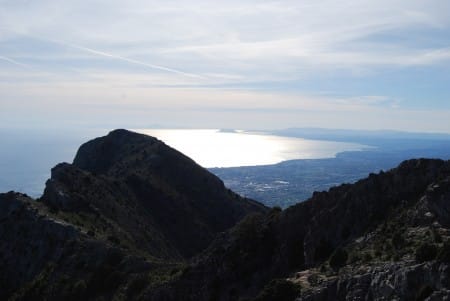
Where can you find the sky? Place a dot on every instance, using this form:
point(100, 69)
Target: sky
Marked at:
point(244, 64)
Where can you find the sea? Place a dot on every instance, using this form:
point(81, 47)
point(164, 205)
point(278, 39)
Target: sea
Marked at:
point(27, 156)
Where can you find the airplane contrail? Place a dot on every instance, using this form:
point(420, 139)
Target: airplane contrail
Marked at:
point(13, 62)
point(110, 55)
point(105, 54)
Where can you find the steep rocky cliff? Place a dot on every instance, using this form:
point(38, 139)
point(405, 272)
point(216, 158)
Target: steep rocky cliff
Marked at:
point(126, 214)
point(378, 239)
point(43, 257)
point(132, 219)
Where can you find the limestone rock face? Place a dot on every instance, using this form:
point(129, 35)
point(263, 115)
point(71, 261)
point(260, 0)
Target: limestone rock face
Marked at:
point(43, 256)
point(392, 227)
point(133, 219)
point(29, 240)
point(389, 281)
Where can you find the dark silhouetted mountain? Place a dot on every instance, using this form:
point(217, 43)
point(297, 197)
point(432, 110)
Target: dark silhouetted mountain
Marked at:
point(148, 195)
point(43, 257)
point(354, 242)
point(133, 219)
point(126, 192)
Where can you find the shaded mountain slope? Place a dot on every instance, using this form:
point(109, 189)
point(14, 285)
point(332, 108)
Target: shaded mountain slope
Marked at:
point(45, 258)
point(133, 219)
point(305, 237)
point(127, 214)
point(149, 196)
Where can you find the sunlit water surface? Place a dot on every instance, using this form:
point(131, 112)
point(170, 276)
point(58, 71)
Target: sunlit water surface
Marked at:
point(215, 148)
point(26, 157)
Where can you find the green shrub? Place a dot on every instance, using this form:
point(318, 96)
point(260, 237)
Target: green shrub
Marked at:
point(280, 290)
point(276, 209)
point(105, 279)
point(114, 257)
point(426, 252)
point(397, 240)
point(367, 257)
point(437, 238)
point(424, 292)
point(378, 253)
point(137, 285)
point(114, 239)
point(249, 230)
point(338, 259)
point(444, 253)
point(79, 288)
point(323, 250)
point(355, 256)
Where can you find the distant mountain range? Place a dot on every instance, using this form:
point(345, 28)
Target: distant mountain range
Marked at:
point(359, 135)
point(133, 219)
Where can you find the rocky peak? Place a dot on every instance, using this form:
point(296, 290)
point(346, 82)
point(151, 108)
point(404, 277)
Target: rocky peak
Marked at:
point(127, 174)
point(127, 205)
point(131, 218)
point(102, 154)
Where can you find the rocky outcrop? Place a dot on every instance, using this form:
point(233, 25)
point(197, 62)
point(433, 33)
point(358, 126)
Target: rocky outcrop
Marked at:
point(29, 240)
point(437, 200)
point(388, 281)
point(348, 211)
point(45, 258)
point(158, 200)
point(380, 222)
point(133, 219)
point(125, 216)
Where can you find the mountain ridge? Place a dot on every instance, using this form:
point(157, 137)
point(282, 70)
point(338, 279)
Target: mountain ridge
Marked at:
point(282, 244)
point(127, 198)
point(132, 218)
point(126, 171)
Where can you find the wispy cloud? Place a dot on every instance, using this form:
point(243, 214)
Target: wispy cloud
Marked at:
point(66, 102)
point(12, 61)
point(243, 38)
point(360, 55)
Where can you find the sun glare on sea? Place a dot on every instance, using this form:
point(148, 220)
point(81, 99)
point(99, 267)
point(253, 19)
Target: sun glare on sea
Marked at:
point(216, 148)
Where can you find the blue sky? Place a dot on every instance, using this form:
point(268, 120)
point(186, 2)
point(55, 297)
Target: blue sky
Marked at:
point(229, 64)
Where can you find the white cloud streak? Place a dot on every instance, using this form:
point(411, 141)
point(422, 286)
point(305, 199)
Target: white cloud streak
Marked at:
point(228, 43)
point(129, 60)
point(247, 39)
point(12, 61)
point(101, 53)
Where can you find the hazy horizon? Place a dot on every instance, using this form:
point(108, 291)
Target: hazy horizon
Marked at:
point(367, 65)
point(26, 158)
